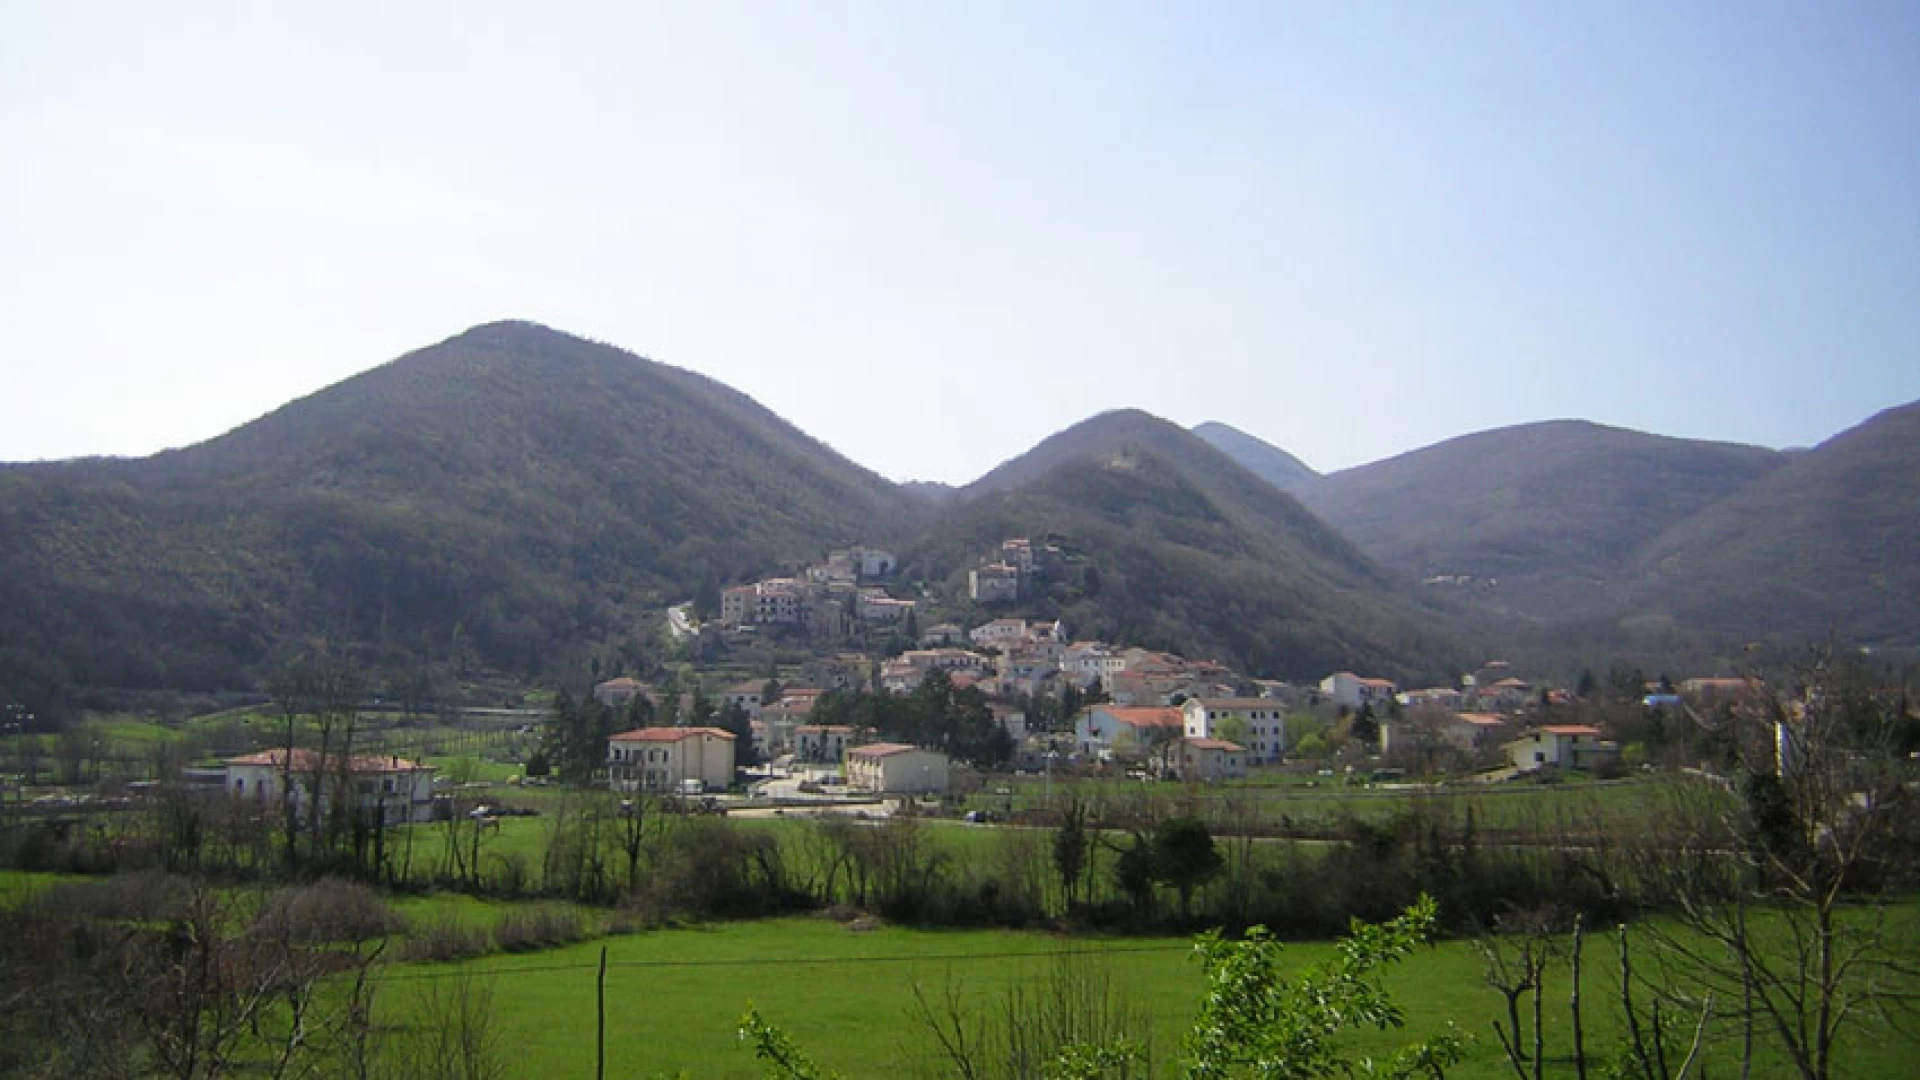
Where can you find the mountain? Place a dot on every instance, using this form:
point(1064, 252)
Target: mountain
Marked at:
point(1172, 544)
point(485, 498)
point(1826, 543)
point(1543, 520)
point(1262, 459)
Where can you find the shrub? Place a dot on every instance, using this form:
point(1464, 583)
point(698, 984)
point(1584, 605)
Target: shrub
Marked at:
point(444, 939)
point(539, 926)
point(328, 911)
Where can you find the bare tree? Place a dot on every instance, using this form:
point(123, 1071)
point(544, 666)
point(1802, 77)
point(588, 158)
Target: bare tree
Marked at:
point(1780, 885)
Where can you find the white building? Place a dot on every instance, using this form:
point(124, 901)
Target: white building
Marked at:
point(1351, 691)
point(1101, 732)
point(1262, 722)
point(1570, 746)
point(821, 742)
point(667, 759)
point(896, 769)
point(1086, 661)
point(398, 791)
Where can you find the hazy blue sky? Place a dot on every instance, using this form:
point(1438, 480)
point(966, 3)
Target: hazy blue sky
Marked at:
point(932, 234)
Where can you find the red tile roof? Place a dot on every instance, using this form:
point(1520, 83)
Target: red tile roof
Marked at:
point(1570, 729)
point(1145, 717)
point(881, 749)
point(669, 734)
point(1215, 744)
point(305, 759)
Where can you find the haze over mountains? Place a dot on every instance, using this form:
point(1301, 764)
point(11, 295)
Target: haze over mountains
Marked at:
point(514, 495)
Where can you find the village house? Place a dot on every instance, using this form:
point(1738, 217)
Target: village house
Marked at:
point(1431, 727)
point(1508, 693)
point(876, 607)
point(1439, 697)
point(744, 696)
point(782, 718)
point(1263, 722)
point(393, 789)
point(896, 769)
point(822, 742)
point(773, 602)
point(1209, 759)
point(940, 634)
point(1011, 720)
point(618, 693)
point(995, 583)
point(1716, 689)
point(1103, 732)
point(670, 760)
point(1569, 746)
point(1350, 691)
point(999, 634)
point(1087, 662)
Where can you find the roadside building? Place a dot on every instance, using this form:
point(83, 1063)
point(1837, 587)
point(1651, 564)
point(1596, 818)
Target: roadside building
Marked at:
point(896, 769)
point(392, 790)
point(670, 759)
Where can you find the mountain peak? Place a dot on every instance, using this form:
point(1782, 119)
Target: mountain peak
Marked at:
point(1263, 459)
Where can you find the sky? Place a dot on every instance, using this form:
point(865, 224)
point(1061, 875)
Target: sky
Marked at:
point(931, 234)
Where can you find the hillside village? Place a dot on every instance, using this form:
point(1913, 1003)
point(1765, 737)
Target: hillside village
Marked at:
point(1150, 712)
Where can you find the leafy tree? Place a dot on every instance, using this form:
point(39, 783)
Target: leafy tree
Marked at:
point(1253, 1022)
point(735, 721)
point(1365, 729)
point(706, 598)
point(1586, 685)
point(1070, 844)
point(1184, 857)
point(1133, 872)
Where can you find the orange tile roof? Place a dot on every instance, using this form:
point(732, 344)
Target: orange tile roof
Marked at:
point(668, 734)
point(305, 759)
point(1215, 744)
point(1145, 717)
point(881, 749)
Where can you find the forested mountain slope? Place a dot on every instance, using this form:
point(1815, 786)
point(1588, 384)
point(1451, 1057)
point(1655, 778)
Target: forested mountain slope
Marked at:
point(1828, 543)
point(1189, 551)
point(491, 497)
point(1544, 518)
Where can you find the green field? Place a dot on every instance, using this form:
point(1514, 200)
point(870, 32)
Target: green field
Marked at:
point(674, 998)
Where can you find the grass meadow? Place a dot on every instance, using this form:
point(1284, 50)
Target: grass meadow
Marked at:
point(674, 998)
